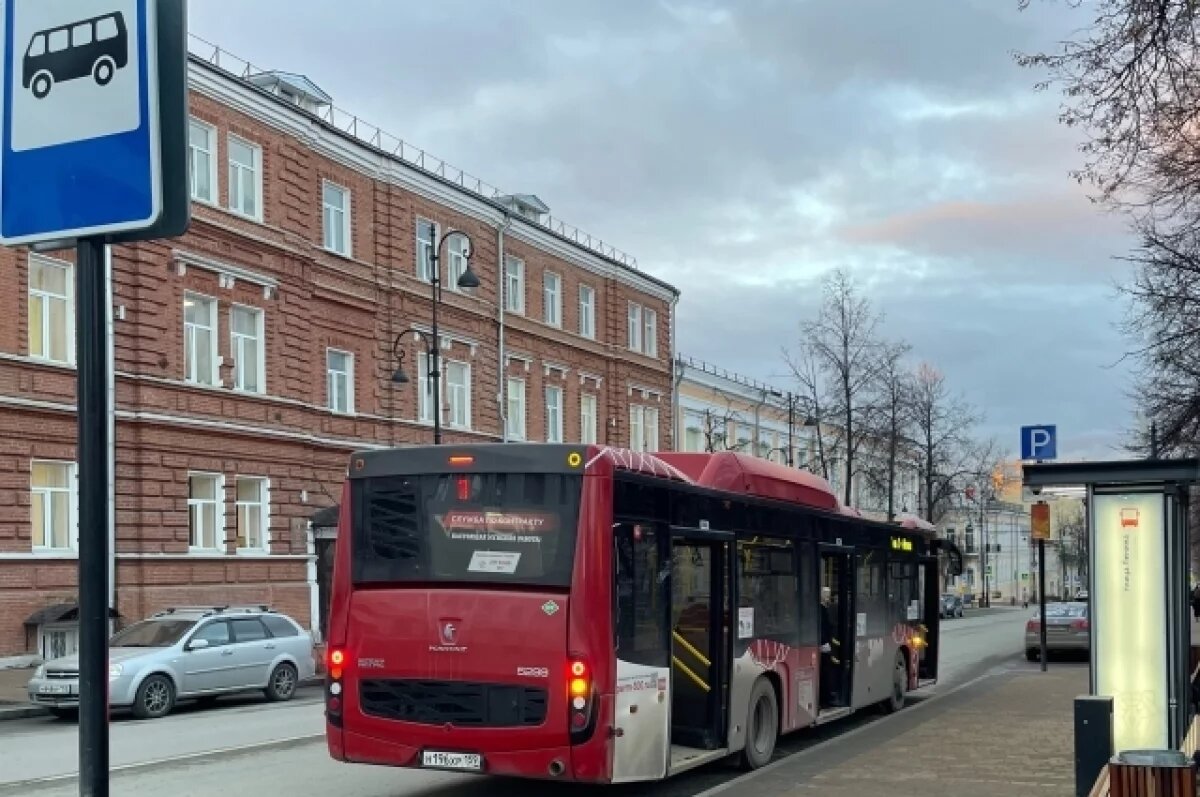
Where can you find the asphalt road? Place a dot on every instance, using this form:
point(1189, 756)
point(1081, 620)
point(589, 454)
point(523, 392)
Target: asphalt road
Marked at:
point(249, 747)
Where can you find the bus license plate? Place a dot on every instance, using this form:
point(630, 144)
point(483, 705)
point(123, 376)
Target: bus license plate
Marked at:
point(467, 761)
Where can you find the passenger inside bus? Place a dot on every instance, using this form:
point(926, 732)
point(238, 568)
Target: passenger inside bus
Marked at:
point(830, 669)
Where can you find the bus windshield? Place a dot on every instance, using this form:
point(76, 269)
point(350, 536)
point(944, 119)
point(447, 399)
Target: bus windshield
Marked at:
point(504, 528)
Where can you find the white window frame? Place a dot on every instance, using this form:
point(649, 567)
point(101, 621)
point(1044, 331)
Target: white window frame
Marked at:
point(515, 420)
point(238, 341)
point(457, 258)
point(651, 440)
point(70, 630)
point(263, 504)
point(514, 294)
point(193, 505)
point(257, 168)
point(189, 368)
point(649, 332)
point(425, 267)
point(45, 496)
point(588, 423)
point(451, 391)
point(213, 154)
point(554, 421)
point(347, 374)
point(44, 297)
point(328, 211)
point(552, 310)
point(587, 311)
point(635, 327)
point(635, 427)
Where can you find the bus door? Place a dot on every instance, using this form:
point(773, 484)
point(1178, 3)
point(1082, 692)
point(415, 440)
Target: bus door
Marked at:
point(931, 613)
point(700, 639)
point(641, 611)
point(838, 626)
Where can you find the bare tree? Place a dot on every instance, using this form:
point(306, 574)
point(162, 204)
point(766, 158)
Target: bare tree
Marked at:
point(1130, 85)
point(1073, 546)
point(837, 366)
point(941, 425)
point(889, 423)
point(715, 428)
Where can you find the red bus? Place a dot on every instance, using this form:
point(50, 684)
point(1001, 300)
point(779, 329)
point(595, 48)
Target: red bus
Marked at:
point(591, 614)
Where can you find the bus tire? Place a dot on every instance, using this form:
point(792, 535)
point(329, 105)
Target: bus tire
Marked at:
point(103, 70)
point(895, 701)
point(762, 726)
point(41, 84)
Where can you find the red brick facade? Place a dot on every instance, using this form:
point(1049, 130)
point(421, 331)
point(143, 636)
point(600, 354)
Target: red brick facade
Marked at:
point(311, 300)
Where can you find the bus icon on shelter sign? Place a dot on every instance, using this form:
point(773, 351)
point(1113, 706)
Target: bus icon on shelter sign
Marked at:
point(81, 149)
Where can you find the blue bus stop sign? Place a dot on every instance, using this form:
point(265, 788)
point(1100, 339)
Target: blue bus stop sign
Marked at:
point(80, 155)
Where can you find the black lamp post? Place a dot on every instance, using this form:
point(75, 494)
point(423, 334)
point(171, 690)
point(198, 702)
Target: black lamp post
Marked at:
point(468, 279)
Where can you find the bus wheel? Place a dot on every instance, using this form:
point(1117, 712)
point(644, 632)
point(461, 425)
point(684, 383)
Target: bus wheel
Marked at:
point(41, 84)
point(899, 684)
point(103, 70)
point(762, 726)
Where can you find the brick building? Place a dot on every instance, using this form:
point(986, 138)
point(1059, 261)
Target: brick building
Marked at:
point(254, 353)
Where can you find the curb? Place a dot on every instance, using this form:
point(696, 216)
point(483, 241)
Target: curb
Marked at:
point(22, 712)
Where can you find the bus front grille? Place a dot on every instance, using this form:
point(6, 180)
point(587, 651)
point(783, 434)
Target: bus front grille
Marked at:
point(455, 702)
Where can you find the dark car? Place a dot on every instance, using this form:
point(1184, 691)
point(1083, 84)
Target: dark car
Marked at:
point(952, 605)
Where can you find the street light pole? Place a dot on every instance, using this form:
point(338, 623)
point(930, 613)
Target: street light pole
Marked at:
point(791, 400)
point(468, 279)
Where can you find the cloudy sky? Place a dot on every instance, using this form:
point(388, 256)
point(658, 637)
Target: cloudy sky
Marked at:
point(741, 149)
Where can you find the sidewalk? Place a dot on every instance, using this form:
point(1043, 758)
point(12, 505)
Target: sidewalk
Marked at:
point(1009, 733)
point(14, 702)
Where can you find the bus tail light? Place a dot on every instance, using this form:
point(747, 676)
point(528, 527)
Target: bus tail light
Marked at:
point(580, 700)
point(334, 670)
point(1032, 625)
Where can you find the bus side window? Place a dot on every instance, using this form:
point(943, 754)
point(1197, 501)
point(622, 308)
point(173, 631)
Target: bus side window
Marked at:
point(81, 35)
point(106, 28)
point(59, 40)
point(640, 594)
point(37, 45)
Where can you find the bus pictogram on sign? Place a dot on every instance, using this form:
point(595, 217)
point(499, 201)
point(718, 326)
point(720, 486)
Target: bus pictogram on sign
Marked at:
point(95, 47)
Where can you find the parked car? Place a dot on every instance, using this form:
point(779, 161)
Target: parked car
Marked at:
point(1067, 630)
point(186, 653)
point(952, 605)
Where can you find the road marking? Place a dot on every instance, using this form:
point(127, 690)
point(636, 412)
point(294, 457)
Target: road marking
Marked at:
point(744, 779)
point(18, 786)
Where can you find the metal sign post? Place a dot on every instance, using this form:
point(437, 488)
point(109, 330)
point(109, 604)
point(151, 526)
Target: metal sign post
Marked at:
point(93, 152)
point(1040, 531)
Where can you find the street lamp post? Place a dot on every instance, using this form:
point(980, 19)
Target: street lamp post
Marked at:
point(468, 279)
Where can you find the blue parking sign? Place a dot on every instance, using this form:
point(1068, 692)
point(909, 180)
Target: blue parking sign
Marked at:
point(1039, 442)
point(80, 154)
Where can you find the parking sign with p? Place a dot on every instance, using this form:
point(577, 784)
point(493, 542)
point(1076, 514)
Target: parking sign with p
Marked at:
point(1039, 442)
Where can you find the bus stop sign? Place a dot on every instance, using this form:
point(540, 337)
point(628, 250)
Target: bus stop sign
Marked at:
point(81, 150)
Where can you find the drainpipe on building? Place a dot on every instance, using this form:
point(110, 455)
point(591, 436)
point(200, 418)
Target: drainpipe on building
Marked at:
point(502, 371)
point(676, 379)
point(109, 334)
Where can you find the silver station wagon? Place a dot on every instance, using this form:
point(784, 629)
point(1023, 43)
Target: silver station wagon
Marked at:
point(188, 653)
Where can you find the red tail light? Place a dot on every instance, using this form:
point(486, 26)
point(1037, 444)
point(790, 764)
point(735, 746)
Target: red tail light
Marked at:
point(334, 670)
point(1032, 625)
point(580, 699)
point(464, 488)
point(1080, 625)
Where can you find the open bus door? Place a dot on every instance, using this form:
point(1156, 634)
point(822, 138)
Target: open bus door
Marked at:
point(931, 577)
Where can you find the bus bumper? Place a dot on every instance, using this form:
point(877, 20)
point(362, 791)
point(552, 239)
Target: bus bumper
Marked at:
point(548, 763)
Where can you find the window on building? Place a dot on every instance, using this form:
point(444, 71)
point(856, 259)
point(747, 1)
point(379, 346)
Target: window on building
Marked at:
point(206, 512)
point(52, 505)
point(426, 234)
point(245, 178)
point(339, 367)
point(587, 418)
point(200, 339)
point(554, 415)
point(587, 311)
point(58, 640)
point(635, 327)
point(552, 295)
point(335, 209)
point(643, 428)
point(650, 332)
point(514, 285)
point(458, 394)
point(424, 389)
point(253, 514)
point(51, 310)
point(249, 356)
point(516, 409)
point(693, 434)
point(458, 250)
point(202, 160)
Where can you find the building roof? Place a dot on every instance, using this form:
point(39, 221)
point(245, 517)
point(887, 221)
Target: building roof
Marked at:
point(297, 84)
point(60, 613)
